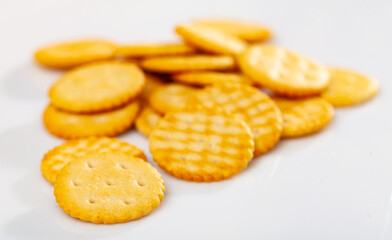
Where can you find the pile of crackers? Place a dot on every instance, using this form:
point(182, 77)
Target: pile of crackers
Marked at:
point(209, 104)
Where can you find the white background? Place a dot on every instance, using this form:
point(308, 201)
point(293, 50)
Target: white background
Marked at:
point(333, 185)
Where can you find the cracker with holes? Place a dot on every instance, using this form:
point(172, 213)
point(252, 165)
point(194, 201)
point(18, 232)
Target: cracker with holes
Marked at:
point(97, 87)
point(249, 104)
point(349, 88)
point(108, 188)
point(173, 64)
point(171, 97)
point(58, 157)
point(304, 116)
point(70, 125)
point(75, 53)
point(201, 144)
point(147, 120)
point(284, 72)
point(211, 40)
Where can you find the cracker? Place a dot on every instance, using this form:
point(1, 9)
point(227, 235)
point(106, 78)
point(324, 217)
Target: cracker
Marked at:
point(152, 83)
point(58, 157)
point(211, 40)
point(304, 116)
point(201, 144)
point(250, 32)
point(284, 72)
point(171, 97)
point(250, 105)
point(150, 50)
point(70, 126)
point(97, 87)
point(200, 62)
point(349, 88)
point(108, 188)
point(71, 54)
point(205, 78)
point(147, 120)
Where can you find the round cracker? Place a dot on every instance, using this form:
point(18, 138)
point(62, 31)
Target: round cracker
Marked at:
point(349, 88)
point(150, 50)
point(70, 126)
point(201, 144)
point(171, 97)
point(71, 54)
point(175, 64)
point(147, 120)
point(152, 83)
point(304, 116)
point(283, 71)
point(58, 157)
point(249, 104)
point(97, 87)
point(211, 40)
point(108, 188)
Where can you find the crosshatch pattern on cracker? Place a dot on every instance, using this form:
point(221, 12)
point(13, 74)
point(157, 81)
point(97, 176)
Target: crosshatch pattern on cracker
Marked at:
point(248, 104)
point(201, 144)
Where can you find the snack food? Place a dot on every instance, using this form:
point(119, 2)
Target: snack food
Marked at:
point(58, 157)
point(75, 53)
point(204, 78)
point(250, 105)
point(148, 50)
point(349, 88)
point(70, 126)
point(283, 72)
point(199, 62)
point(201, 144)
point(246, 31)
point(152, 83)
point(304, 116)
point(171, 97)
point(108, 188)
point(147, 120)
point(97, 87)
point(211, 40)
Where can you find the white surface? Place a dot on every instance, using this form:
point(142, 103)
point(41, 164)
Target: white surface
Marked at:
point(333, 185)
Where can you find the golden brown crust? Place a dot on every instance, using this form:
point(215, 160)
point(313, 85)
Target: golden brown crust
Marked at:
point(147, 120)
point(97, 87)
point(108, 188)
point(54, 160)
point(70, 126)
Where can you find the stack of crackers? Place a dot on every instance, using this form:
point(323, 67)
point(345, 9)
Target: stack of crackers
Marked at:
point(209, 105)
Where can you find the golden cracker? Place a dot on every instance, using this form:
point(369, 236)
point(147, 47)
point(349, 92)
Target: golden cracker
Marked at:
point(205, 78)
point(283, 71)
point(250, 105)
point(171, 97)
point(97, 87)
point(108, 188)
point(57, 158)
point(250, 32)
point(201, 144)
point(304, 116)
point(147, 120)
point(70, 126)
point(349, 88)
point(211, 40)
point(151, 50)
point(152, 83)
point(200, 62)
point(71, 54)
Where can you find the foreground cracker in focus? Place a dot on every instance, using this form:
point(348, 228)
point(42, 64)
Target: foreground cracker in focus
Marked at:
point(108, 188)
